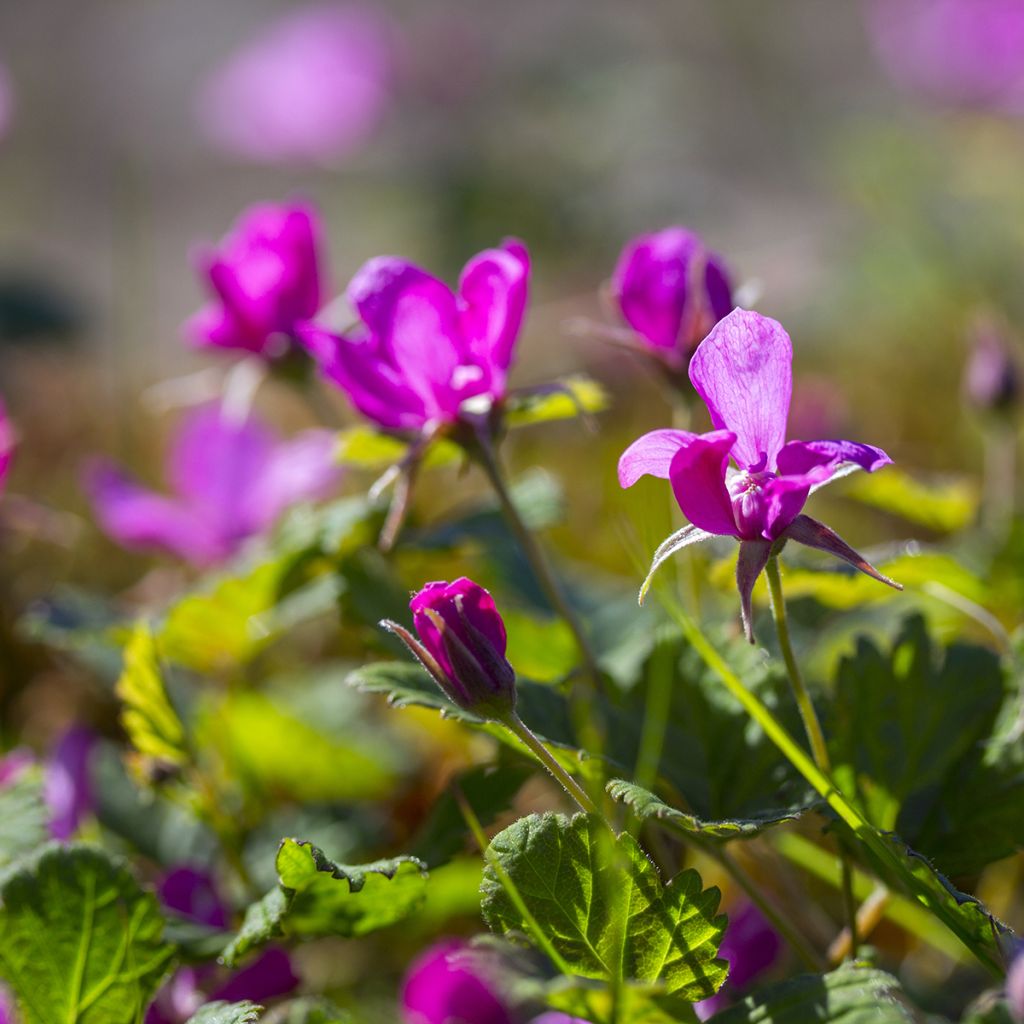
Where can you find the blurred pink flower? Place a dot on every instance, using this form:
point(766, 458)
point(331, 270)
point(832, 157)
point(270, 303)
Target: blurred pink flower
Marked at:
point(310, 87)
point(6, 1006)
point(266, 277)
point(439, 989)
point(6, 441)
point(963, 52)
point(231, 477)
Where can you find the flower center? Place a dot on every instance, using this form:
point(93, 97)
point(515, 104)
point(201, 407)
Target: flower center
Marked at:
point(750, 502)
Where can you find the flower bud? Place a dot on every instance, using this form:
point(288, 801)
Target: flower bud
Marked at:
point(991, 378)
point(462, 645)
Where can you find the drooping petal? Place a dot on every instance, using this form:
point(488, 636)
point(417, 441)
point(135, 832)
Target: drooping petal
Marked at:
point(415, 320)
point(216, 457)
point(303, 468)
point(785, 497)
point(799, 457)
point(651, 284)
point(371, 383)
point(753, 557)
point(138, 518)
point(492, 300)
point(651, 455)
point(743, 372)
point(805, 530)
point(697, 474)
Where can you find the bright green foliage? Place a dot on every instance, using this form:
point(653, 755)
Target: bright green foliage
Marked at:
point(908, 728)
point(316, 897)
point(227, 1013)
point(602, 906)
point(23, 818)
point(637, 1004)
point(574, 396)
point(853, 994)
point(152, 724)
point(644, 804)
point(944, 506)
point(366, 448)
point(544, 648)
point(80, 942)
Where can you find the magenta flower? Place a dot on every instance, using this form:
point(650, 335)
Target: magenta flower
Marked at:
point(462, 645)
point(426, 356)
point(6, 443)
point(964, 52)
point(191, 893)
point(266, 277)
point(671, 290)
point(1015, 986)
point(743, 372)
point(231, 479)
point(6, 1006)
point(68, 787)
point(442, 989)
point(751, 946)
point(992, 381)
point(311, 87)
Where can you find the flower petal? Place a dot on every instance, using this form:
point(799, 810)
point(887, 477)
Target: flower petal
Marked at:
point(138, 518)
point(492, 301)
point(651, 283)
point(803, 456)
point(651, 455)
point(785, 496)
point(303, 468)
point(697, 474)
point(372, 385)
point(743, 371)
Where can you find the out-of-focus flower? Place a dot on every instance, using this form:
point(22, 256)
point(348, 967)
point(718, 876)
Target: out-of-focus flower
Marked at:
point(743, 373)
point(6, 443)
point(67, 779)
point(442, 989)
point(992, 381)
point(311, 87)
point(554, 1017)
point(671, 291)
point(191, 893)
point(68, 784)
point(751, 946)
point(6, 1006)
point(462, 645)
point(6, 108)
point(426, 355)
point(1015, 987)
point(231, 478)
point(963, 52)
point(266, 277)
point(819, 407)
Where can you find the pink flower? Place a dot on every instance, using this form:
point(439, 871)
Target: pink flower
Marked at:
point(309, 88)
point(266, 277)
point(743, 372)
point(964, 52)
point(6, 443)
point(671, 290)
point(439, 989)
point(231, 479)
point(462, 645)
point(426, 355)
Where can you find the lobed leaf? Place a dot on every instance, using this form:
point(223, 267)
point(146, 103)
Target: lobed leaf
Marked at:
point(80, 942)
point(316, 897)
point(601, 904)
point(24, 817)
point(853, 994)
point(220, 1012)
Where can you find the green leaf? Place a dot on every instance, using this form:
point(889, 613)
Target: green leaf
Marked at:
point(544, 648)
point(573, 396)
point(599, 901)
point(307, 1010)
point(644, 804)
point(367, 448)
point(943, 505)
point(215, 631)
point(282, 756)
point(316, 897)
point(905, 728)
point(80, 942)
point(24, 817)
point(149, 719)
point(221, 1012)
point(853, 994)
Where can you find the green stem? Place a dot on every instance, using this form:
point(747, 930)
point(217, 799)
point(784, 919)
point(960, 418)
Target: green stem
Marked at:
point(812, 726)
point(522, 731)
point(777, 733)
point(535, 555)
